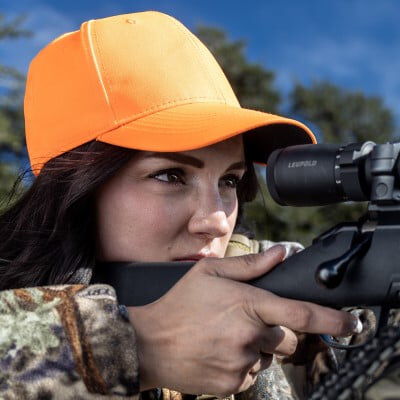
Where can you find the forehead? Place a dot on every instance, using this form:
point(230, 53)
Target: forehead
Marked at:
point(225, 152)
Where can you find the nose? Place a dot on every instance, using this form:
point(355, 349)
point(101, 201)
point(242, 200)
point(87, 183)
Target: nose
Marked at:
point(210, 216)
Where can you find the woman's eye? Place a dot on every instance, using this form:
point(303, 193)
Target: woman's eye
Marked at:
point(169, 176)
point(231, 181)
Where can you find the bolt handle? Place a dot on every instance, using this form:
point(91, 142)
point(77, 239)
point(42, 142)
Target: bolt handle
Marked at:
point(331, 273)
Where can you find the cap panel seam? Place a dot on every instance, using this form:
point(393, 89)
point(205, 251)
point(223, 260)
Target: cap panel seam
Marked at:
point(130, 119)
point(205, 68)
point(169, 104)
point(94, 59)
point(100, 75)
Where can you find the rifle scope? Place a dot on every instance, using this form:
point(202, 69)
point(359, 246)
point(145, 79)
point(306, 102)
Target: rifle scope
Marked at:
point(320, 174)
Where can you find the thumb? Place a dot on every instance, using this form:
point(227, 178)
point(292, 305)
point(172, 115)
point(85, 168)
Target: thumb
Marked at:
point(245, 268)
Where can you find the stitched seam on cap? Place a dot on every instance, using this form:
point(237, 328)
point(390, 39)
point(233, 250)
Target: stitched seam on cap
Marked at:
point(94, 59)
point(100, 75)
point(170, 104)
point(128, 120)
point(205, 67)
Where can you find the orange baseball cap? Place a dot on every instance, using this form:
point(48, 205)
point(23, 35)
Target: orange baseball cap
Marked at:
point(141, 81)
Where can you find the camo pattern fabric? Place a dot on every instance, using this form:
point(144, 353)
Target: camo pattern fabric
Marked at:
point(66, 342)
point(271, 384)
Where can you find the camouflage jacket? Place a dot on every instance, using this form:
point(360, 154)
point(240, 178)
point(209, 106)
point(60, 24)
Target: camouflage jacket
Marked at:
point(76, 342)
point(66, 342)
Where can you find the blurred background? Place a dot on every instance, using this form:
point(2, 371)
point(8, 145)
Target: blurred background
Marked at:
point(335, 65)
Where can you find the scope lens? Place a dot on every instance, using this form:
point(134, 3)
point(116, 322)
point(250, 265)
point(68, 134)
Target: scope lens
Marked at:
point(304, 175)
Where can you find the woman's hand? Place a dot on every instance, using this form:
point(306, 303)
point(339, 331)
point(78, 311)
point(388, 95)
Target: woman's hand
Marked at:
point(212, 333)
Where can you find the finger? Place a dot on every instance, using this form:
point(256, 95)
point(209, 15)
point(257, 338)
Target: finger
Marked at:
point(263, 362)
point(278, 340)
point(302, 316)
point(244, 268)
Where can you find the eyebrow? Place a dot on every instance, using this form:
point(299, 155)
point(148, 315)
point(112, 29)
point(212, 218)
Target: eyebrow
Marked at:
point(193, 161)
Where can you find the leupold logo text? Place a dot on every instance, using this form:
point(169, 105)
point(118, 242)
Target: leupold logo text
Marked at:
point(299, 164)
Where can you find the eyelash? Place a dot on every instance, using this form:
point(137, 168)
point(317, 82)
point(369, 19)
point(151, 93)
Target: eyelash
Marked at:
point(180, 174)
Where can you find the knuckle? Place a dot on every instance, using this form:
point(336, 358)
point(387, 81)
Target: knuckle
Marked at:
point(240, 365)
point(234, 367)
point(249, 261)
point(205, 266)
point(201, 264)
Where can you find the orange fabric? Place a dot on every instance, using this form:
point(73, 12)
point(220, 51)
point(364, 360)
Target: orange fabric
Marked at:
point(138, 80)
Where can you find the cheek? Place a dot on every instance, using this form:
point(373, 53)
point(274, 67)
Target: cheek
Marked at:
point(232, 217)
point(134, 224)
point(231, 207)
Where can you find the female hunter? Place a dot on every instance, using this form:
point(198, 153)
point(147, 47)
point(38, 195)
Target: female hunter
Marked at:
point(141, 153)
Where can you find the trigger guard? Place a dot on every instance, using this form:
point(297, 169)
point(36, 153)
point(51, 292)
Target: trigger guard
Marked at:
point(331, 342)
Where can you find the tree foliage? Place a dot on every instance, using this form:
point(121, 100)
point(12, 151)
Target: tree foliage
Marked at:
point(12, 82)
point(341, 115)
point(252, 83)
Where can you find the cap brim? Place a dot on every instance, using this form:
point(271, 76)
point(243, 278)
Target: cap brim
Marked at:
point(195, 125)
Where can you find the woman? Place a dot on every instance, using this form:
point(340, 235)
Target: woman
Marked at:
point(143, 153)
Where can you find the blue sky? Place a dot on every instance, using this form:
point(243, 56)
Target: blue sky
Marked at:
point(353, 43)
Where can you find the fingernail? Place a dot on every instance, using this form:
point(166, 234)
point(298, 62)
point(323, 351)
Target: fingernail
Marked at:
point(357, 325)
point(286, 252)
point(279, 248)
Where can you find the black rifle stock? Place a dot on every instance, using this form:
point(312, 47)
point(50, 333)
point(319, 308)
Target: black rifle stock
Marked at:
point(372, 279)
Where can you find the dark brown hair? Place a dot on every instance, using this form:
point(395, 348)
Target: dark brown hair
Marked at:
point(48, 235)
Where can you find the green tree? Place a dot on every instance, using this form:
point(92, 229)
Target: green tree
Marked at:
point(341, 115)
point(12, 142)
point(252, 83)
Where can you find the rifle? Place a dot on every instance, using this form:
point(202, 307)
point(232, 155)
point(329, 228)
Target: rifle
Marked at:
point(351, 264)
